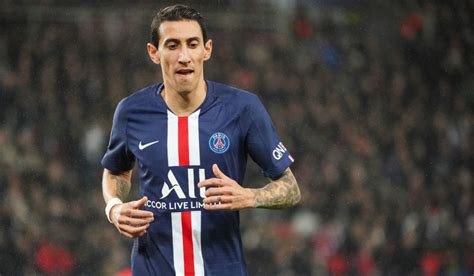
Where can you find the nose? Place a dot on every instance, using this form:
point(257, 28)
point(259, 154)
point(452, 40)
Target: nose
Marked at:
point(184, 56)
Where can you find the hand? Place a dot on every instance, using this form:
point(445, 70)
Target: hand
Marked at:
point(224, 193)
point(129, 219)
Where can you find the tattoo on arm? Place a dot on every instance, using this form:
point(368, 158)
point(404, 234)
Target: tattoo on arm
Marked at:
point(122, 186)
point(280, 193)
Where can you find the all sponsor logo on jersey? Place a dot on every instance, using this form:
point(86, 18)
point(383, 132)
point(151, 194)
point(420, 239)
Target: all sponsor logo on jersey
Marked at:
point(166, 190)
point(192, 200)
point(219, 142)
point(279, 151)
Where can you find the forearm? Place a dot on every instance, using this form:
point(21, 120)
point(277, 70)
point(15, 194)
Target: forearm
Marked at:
point(116, 185)
point(280, 193)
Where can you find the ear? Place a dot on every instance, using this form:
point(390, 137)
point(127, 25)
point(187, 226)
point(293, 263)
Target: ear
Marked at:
point(208, 49)
point(153, 53)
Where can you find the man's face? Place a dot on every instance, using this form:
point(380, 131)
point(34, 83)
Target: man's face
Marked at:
point(181, 53)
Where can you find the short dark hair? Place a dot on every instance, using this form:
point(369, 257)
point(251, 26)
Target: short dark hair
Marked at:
point(175, 13)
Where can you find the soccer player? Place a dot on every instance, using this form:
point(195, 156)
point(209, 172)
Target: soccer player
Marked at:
point(191, 138)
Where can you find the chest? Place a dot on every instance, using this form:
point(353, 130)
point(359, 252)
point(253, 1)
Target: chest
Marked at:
point(163, 140)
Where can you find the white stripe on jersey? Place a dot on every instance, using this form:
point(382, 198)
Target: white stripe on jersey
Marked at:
point(193, 136)
point(191, 185)
point(202, 177)
point(173, 157)
point(198, 260)
point(177, 232)
point(193, 139)
point(178, 248)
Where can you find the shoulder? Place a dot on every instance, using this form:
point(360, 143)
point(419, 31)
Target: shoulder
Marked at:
point(138, 98)
point(241, 103)
point(233, 95)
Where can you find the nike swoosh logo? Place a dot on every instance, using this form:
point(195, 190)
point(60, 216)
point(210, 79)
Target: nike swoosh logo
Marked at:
point(144, 146)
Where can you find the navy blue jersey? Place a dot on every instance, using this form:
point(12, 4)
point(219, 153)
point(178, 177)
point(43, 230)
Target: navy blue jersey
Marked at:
point(173, 154)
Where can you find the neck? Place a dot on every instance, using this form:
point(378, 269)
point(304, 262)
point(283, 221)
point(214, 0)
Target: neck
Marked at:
point(183, 103)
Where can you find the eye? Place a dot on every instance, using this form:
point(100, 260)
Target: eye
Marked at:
point(193, 44)
point(172, 46)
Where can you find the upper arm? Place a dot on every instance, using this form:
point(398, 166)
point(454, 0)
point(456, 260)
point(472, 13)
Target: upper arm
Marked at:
point(118, 157)
point(262, 141)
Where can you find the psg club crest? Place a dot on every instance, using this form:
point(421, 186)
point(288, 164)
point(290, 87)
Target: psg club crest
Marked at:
point(219, 142)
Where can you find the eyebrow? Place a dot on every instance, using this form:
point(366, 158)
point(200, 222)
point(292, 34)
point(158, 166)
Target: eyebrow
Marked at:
point(175, 40)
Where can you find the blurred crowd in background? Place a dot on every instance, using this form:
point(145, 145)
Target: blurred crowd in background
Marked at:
point(374, 100)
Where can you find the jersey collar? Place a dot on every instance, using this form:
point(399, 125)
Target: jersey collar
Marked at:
point(205, 105)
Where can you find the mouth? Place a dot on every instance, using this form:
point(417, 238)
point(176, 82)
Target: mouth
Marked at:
point(184, 71)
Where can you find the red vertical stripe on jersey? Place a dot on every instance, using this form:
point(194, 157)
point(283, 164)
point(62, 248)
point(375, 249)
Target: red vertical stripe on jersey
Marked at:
point(183, 141)
point(188, 250)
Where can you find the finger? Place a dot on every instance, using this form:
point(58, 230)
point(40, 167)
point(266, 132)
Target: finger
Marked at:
point(133, 230)
point(218, 199)
point(140, 214)
point(133, 221)
point(128, 210)
point(218, 173)
point(126, 234)
point(129, 235)
point(139, 203)
point(218, 207)
point(211, 182)
point(218, 191)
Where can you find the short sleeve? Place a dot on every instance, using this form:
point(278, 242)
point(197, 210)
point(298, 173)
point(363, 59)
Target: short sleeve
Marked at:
point(262, 142)
point(118, 158)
